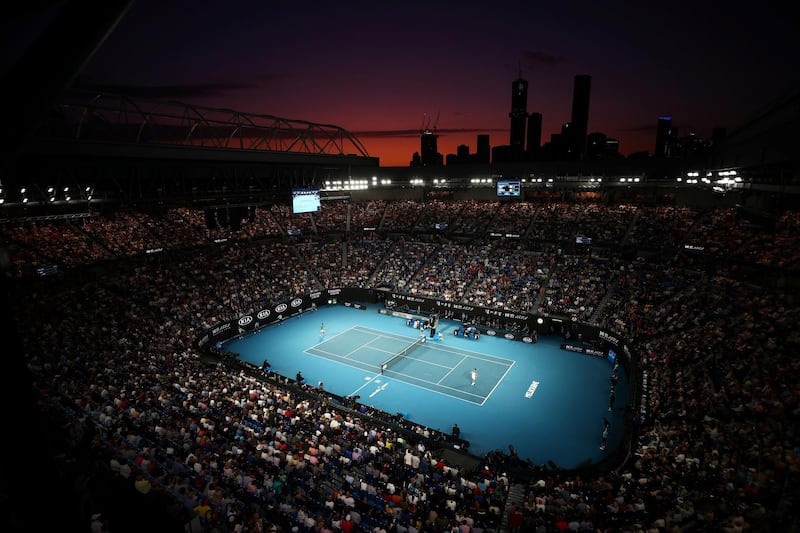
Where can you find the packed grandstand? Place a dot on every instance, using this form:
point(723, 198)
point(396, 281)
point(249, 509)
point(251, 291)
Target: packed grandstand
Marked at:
point(146, 430)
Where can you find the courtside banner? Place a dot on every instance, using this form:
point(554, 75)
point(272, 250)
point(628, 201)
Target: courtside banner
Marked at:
point(264, 317)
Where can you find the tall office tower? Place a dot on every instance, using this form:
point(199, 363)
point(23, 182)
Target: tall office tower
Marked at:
point(519, 115)
point(663, 134)
point(534, 132)
point(484, 152)
point(580, 115)
point(429, 149)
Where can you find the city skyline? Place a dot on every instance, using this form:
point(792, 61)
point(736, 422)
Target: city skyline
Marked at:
point(384, 72)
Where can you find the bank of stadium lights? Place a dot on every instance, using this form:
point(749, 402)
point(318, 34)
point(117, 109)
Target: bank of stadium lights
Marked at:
point(635, 179)
point(486, 182)
point(691, 177)
point(346, 185)
point(416, 181)
point(724, 178)
point(376, 181)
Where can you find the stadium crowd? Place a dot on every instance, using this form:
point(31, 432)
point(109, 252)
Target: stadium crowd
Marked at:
point(146, 431)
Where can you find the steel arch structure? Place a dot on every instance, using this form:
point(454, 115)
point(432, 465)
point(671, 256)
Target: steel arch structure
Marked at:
point(106, 117)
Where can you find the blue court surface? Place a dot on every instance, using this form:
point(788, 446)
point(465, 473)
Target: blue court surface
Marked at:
point(550, 404)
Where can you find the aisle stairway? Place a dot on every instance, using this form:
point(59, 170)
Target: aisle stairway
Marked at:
point(516, 496)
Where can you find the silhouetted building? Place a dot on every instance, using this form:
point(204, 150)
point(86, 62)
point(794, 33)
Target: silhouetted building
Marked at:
point(688, 146)
point(534, 133)
point(599, 146)
point(663, 136)
point(519, 116)
point(461, 157)
point(595, 145)
point(612, 149)
point(562, 142)
point(580, 116)
point(484, 150)
point(429, 150)
point(502, 154)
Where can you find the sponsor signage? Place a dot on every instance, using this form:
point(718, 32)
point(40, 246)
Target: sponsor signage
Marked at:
point(583, 349)
point(531, 389)
point(613, 339)
point(220, 329)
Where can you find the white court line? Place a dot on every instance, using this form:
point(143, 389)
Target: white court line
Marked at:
point(499, 381)
point(351, 352)
point(366, 384)
point(340, 356)
point(332, 337)
point(451, 370)
point(443, 348)
point(434, 385)
point(437, 391)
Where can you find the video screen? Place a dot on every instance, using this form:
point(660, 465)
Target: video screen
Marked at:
point(508, 188)
point(305, 201)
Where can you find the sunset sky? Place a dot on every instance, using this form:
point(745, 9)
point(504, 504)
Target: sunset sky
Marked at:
point(383, 70)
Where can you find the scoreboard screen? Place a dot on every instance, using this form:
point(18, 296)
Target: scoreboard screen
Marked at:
point(508, 188)
point(305, 201)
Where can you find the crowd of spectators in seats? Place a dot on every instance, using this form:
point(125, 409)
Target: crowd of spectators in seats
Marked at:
point(145, 431)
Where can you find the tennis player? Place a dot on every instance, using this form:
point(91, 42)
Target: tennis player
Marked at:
point(474, 375)
point(322, 329)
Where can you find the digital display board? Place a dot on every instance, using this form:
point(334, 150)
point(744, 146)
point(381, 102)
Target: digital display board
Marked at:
point(305, 201)
point(508, 188)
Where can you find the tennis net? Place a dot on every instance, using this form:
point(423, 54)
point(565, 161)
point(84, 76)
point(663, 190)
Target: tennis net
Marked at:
point(400, 355)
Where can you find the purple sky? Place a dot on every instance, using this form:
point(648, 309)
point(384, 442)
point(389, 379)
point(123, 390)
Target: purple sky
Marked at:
point(383, 69)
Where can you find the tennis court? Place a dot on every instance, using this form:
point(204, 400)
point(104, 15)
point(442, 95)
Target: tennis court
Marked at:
point(431, 365)
point(549, 403)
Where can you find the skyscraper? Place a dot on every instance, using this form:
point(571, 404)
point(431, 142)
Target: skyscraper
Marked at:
point(663, 134)
point(519, 115)
point(429, 147)
point(580, 116)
